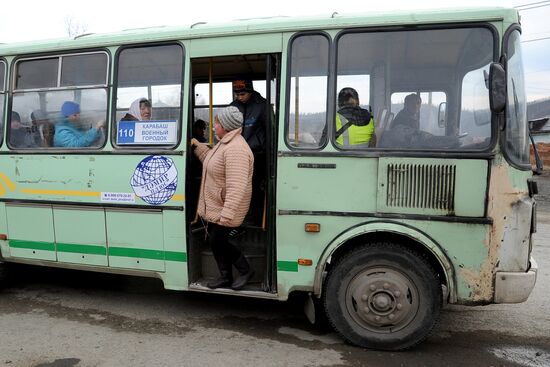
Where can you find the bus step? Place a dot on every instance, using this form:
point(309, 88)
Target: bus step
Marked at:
point(209, 268)
point(254, 286)
point(249, 290)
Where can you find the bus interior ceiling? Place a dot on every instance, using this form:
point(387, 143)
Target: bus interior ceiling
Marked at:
point(414, 59)
point(226, 68)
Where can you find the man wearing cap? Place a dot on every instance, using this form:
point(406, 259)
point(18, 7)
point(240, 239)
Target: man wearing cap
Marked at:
point(253, 107)
point(67, 134)
point(225, 194)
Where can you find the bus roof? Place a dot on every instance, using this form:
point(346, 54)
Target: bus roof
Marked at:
point(266, 25)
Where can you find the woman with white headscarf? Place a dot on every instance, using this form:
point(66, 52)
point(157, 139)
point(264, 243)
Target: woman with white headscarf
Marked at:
point(140, 110)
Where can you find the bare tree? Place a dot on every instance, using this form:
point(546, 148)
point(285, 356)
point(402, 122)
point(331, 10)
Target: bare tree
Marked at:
point(73, 27)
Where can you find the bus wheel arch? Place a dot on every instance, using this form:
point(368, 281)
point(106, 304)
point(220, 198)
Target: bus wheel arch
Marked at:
point(392, 233)
point(382, 295)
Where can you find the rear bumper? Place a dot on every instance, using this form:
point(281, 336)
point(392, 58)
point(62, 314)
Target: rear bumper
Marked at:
point(514, 287)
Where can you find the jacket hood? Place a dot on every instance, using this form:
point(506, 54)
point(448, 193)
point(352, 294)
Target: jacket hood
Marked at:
point(356, 115)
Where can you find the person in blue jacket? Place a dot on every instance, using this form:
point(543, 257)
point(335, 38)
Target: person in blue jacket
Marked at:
point(67, 133)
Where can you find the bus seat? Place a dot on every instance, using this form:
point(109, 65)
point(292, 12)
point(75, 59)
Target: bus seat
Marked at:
point(45, 127)
point(384, 124)
point(46, 131)
point(381, 119)
point(390, 120)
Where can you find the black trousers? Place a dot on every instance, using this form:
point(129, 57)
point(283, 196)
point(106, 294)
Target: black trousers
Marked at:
point(258, 188)
point(224, 252)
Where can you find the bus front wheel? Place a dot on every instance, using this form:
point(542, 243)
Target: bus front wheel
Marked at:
point(383, 296)
point(3, 274)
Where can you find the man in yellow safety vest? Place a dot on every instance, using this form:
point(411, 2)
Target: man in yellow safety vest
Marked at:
point(354, 125)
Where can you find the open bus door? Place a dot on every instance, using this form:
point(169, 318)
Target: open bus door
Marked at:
point(211, 83)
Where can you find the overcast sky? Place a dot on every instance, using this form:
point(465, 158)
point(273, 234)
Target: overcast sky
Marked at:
point(23, 20)
point(27, 20)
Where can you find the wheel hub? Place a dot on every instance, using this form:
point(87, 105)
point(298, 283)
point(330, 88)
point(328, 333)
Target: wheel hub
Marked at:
point(383, 300)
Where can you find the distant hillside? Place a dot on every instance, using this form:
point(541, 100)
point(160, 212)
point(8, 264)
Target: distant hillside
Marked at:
point(538, 109)
point(535, 110)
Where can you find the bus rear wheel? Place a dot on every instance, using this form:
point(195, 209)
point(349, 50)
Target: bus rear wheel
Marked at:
point(383, 296)
point(3, 274)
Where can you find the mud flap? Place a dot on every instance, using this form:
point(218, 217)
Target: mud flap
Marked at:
point(309, 308)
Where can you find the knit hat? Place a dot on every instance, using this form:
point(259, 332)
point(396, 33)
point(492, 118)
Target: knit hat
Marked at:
point(38, 115)
point(70, 108)
point(230, 118)
point(242, 85)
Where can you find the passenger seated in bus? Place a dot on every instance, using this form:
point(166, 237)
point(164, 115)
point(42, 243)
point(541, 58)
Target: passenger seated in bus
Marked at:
point(354, 125)
point(68, 132)
point(199, 128)
point(405, 130)
point(140, 110)
point(409, 116)
point(22, 136)
point(225, 195)
point(44, 127)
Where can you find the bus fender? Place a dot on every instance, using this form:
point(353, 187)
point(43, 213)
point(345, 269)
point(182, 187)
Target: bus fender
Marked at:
point(392, 227)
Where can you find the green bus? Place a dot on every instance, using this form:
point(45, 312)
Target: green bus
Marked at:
point(379, 236)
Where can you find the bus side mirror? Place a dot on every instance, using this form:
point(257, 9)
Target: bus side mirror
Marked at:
point(497, 87)
point(442, 115)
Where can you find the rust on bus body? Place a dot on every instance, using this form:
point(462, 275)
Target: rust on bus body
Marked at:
point(503, 200)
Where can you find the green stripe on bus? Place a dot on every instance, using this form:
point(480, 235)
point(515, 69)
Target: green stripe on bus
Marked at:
point(81, 249)
point(287, 265)
point(32, 245)
point(100, 250)
point(175, 256)
point(136, 252)
point(148, 254)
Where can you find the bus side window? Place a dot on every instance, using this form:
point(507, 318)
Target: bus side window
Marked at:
point(306, 122)
point(152, 76)
point(2, 92)
point(356, 85)
point(42, 87)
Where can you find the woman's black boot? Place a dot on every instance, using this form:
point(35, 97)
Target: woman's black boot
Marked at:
point(245, 272)
point(225, 278)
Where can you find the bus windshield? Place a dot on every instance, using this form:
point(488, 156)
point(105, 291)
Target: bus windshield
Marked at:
point(2, 91)
point(517, 137)
point(444, 70)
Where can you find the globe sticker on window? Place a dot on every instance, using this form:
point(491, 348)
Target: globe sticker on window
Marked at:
point(155, 179)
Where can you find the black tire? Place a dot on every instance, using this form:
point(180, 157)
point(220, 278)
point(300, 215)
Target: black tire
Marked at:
point(383, 296)
point(322, 322)
point(3, 274)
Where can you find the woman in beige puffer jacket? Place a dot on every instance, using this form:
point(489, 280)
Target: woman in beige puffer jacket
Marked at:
point(225, 193)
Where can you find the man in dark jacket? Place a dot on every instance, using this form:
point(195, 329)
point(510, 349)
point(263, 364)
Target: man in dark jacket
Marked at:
point(254, 109)
point(409, 116)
